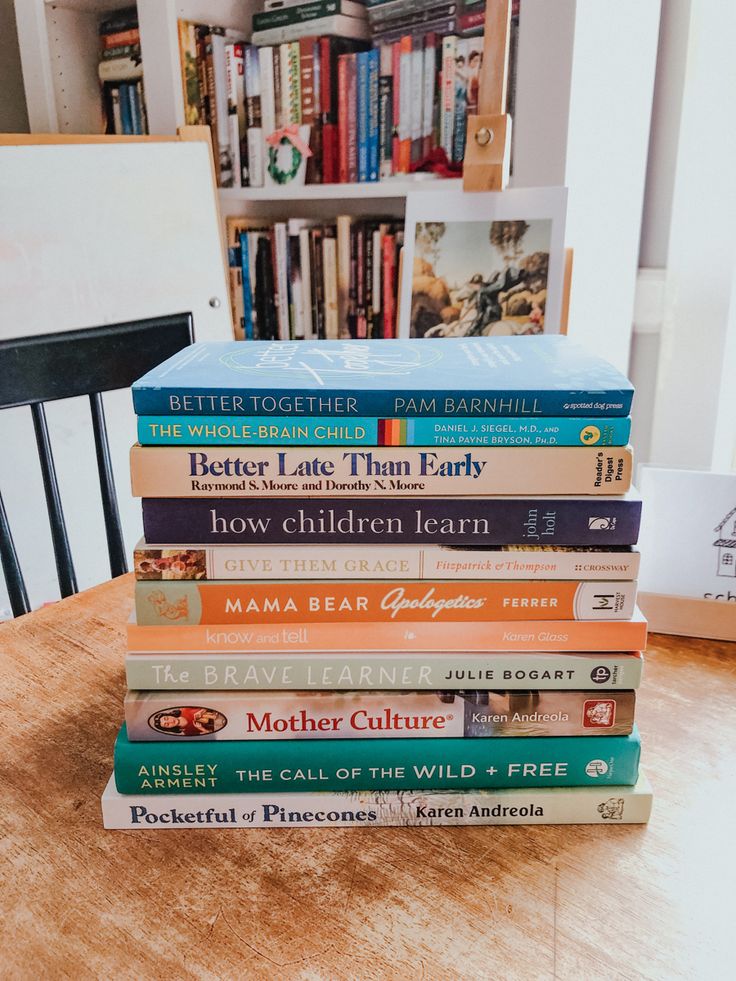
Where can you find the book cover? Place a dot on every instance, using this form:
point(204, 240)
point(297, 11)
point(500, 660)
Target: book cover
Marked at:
point(457, 521)
point(480, 376)
point(378, 764)
point(447, 116)
point(315, 562)
point(316, 431)
point(401, 808)
point(203, 716)
point(185, 603)
point(422, 637)
point(172, 471)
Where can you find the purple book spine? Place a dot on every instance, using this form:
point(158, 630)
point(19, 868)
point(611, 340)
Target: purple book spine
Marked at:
point(481, 522)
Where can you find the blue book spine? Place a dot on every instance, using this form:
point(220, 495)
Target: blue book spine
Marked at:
point(247, 294)
point(125, 110)
point(317, 431)
point(135, 110)
point(373, 127)
point(374, 764)
point(363, 113)
point(480, 378)
point(334, 402)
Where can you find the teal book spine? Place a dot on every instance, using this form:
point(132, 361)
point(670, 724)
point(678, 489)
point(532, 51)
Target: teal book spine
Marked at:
point(381, 764)
point(318, 431)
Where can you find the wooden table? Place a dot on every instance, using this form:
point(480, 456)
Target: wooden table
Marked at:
point(445, 903)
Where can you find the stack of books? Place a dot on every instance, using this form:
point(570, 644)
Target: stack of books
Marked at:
point(375, 92)
point(121, 74)
point(314, 280)
point(382, 583)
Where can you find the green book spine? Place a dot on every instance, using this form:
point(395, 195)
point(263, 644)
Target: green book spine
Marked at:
point(268, 19)
point(382, 764)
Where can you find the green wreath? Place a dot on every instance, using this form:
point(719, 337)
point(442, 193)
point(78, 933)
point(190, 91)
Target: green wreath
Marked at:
point(284, 176)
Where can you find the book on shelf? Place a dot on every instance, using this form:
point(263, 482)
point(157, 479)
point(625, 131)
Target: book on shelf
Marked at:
point(375, 92)
point(313, 264)
point(120, 71)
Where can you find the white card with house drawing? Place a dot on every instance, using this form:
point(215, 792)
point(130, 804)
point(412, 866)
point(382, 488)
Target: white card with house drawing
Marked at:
point(483, 264)
point(688, 534)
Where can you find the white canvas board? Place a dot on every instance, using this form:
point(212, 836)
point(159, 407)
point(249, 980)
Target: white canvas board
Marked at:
point(95, 234)
point(688, 534)
point(488, 263)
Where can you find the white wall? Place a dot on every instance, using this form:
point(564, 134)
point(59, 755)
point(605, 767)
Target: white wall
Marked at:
point(696, 349)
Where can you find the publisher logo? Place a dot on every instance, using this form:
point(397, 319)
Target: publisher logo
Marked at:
point(590, 435)
point(599, 713)
point(596, 768)
point(602, 523)
point(600, 674)
point(612, 809)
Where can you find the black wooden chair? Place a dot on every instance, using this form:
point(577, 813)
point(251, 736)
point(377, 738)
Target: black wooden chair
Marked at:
point(34, 370)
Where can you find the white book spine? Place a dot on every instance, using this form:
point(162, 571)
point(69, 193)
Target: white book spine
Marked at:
point(306, 266)
point(337, 26)
point(224, 149)
point(417, 90)
point(282, 282)
point(268, 101)
point(323, 562)
point(235, 105)
point(343, 223)
point(430, 72)
point(560, 805)
point(329, 275)
point(447, 113)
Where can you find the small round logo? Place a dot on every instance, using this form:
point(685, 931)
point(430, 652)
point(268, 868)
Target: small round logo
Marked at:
point(596, 768)
point(600, 674)
point(590, 435)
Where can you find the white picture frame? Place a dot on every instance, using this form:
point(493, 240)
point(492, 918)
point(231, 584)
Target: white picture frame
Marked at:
point(543, 209)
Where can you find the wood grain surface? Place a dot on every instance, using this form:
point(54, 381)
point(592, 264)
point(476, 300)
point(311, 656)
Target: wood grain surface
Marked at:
point(445, 903)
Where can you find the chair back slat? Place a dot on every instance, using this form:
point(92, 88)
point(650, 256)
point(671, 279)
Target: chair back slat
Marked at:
point(42, 368)
point(11, 567)
point(62, 553)
point(113, 531)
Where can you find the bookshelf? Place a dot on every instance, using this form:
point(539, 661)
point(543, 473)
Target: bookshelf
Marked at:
point(583, 108)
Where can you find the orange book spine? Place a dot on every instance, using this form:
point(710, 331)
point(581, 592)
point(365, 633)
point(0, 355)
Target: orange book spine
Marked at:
point(446, 637)
point(189, 603)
